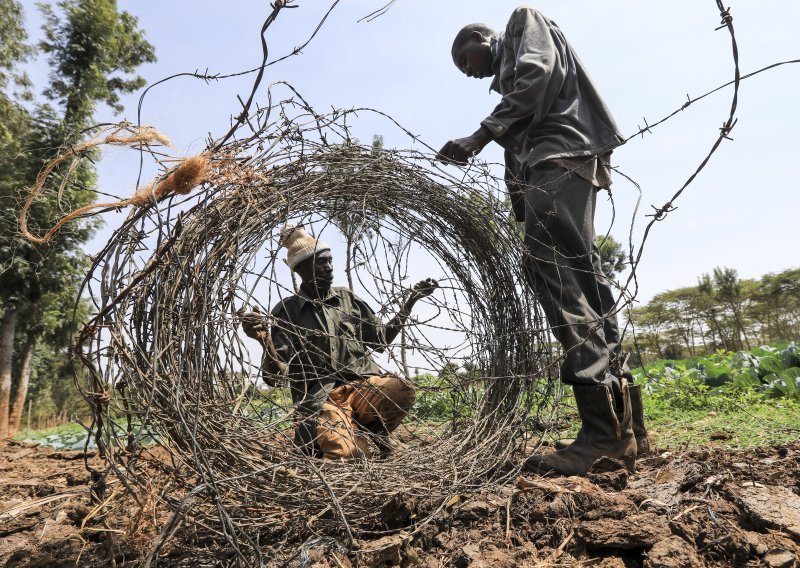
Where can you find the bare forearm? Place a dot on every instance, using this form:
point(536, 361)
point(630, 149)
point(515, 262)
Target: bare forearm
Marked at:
point(272, 364)
point(396, 324)
point(421, 289)
point(483, 136)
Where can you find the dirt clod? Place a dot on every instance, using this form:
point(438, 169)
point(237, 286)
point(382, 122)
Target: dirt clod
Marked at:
point(398, 511)
point(386, 551)
point(720, 436)
point(673, 552)
point(617, 479)
point(634, 531)
point(772, 506)
point(757, 547)
point(778, 558)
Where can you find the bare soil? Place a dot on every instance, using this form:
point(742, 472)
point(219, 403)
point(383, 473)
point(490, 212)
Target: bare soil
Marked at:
point(710, 507)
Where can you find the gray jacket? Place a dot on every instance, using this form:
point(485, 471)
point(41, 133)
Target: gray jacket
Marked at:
point(551, 109)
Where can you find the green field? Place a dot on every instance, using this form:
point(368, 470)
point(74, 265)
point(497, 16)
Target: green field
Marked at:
point(740, 399)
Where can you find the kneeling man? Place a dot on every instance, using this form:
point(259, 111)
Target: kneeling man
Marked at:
point(322, 339)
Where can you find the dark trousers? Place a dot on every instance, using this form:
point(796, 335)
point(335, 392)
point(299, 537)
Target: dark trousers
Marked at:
point(563, 266)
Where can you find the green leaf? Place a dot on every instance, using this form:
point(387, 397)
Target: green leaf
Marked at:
point(772, 363)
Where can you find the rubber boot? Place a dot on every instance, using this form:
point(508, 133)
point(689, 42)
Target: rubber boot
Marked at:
point(602, 433)
point(637, 414)
point(639, 429)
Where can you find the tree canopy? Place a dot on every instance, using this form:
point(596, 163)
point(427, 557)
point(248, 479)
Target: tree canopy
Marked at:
point(93, 51)
point(722, 311)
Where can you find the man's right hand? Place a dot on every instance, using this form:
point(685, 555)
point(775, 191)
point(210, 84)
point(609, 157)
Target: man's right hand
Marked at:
point(255, 324)
point(462, 149)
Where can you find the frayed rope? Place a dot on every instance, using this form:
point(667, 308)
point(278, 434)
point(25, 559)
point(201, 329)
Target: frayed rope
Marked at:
point(180, 180)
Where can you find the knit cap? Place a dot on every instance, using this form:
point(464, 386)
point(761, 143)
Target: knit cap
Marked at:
point(300, 244)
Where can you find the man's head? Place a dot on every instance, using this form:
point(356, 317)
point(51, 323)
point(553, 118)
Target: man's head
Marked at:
point(316, 273)
point(309, 257)
point(472, 52)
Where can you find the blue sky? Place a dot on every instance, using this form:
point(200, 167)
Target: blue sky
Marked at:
point(645, 56)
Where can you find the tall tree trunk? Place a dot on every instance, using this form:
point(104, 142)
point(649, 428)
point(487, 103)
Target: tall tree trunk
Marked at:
point(738, 317)
point(21, 393)
point(403, 354)
point(702, 332)
point(7, 329)
point(685, 333)
point(348, 261)
point(657, 344)
point(715, 325)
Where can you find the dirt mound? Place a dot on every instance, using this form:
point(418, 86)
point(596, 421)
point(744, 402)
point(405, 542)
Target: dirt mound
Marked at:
point(713, 507)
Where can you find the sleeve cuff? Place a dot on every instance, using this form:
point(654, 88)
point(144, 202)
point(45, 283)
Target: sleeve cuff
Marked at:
point(497, 128)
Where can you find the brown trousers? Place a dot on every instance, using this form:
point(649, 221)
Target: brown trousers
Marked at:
point(352, 412)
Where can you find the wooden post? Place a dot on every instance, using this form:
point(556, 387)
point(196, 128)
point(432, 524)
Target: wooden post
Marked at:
point(30, 402)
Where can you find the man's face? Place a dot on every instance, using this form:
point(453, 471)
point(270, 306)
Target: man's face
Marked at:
point(316, 273)
point(473, 57)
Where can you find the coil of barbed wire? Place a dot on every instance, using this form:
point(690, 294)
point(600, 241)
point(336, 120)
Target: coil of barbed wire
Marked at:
point(168, 361)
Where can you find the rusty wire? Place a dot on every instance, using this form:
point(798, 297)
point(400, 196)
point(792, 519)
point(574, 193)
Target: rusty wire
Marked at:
point(167, 359)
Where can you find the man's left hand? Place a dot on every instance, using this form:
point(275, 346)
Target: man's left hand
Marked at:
point(423, 289)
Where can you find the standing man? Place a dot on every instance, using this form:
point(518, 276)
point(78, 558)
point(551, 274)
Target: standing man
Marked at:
point(558, 136)
point(321, 339)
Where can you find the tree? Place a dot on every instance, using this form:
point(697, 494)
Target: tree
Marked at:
point(728, 290)
point(14, 49)
point(711, 314)
point(680, 313)
point(651, 323)
point(49, 382)
point(775, 302)
point(722, 301)
point(354, 224)
point(92, 50)
point(722, 311)
point(612, 256)
point(14, 128)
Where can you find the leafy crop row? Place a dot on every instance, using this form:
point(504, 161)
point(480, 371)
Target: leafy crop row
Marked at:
point(725, 377)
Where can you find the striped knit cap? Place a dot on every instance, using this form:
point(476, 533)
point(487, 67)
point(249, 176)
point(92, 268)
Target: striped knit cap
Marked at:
point(300, 244)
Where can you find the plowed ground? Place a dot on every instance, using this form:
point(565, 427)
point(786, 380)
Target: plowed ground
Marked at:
point(711, 507)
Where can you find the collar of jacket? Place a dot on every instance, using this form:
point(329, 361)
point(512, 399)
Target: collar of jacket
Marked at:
point(496, 44)
point(332, 297)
